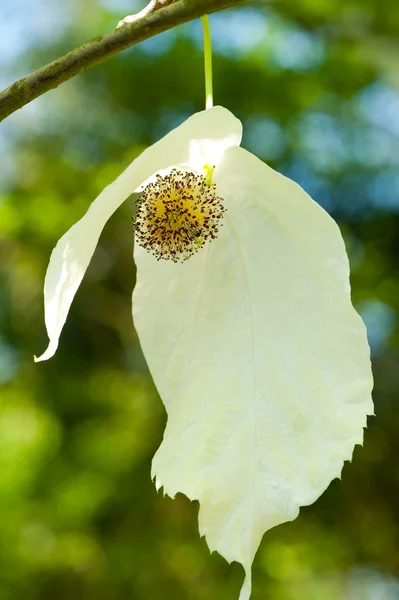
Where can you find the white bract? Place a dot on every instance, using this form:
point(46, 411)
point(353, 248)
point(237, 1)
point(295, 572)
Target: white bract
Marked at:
point(253, 343)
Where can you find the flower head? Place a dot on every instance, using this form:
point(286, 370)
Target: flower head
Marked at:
point(177, 214)
point(248, 329)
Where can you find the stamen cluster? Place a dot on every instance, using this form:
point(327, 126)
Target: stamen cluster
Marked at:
point(177, 214)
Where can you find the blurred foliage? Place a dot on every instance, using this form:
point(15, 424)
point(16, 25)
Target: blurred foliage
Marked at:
point(316, 84)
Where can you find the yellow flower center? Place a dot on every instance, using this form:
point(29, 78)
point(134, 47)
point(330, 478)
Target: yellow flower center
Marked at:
point(177, 214)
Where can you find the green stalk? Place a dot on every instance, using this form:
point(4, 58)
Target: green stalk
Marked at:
point(208, 62)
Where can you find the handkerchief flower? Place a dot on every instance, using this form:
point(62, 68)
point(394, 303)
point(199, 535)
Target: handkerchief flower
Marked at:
point(243, 310)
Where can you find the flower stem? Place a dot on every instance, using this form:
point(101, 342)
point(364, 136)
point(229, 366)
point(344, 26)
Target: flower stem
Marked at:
point(208, 62)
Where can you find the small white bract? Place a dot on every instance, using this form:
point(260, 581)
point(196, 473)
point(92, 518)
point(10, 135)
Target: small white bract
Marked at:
point(253, 343)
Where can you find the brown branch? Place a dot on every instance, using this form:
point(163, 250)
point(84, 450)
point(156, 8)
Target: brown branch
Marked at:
point(155, 18)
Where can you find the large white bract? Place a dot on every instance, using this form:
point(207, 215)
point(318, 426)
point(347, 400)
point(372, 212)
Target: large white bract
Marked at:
point(253, 343)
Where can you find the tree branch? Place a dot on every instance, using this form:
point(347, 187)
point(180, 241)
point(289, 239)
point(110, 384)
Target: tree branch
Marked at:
point(158, 16)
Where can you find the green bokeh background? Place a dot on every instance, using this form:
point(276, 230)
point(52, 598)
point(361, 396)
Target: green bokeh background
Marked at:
point(316, 84)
